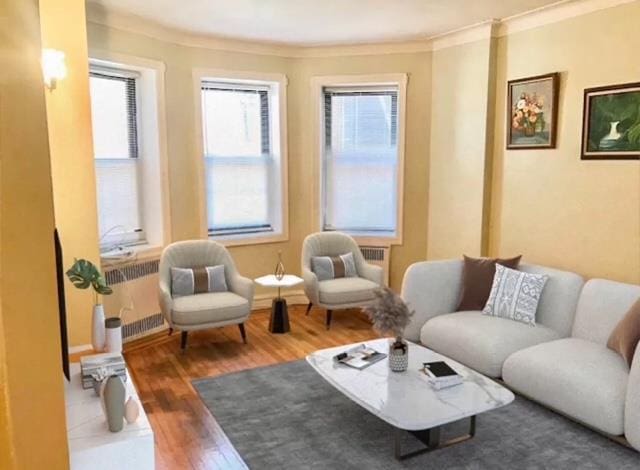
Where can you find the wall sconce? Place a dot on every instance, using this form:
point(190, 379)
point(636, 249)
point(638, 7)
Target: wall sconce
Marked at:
point(53, 67)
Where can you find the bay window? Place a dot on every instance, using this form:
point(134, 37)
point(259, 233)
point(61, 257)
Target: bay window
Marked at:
point(361, 159)
point(242, 158)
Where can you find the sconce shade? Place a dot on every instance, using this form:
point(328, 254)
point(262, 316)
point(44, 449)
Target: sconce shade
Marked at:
point(53, 67)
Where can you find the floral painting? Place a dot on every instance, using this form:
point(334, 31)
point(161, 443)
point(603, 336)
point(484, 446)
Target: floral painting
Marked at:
point(532, 110)
point(611, 123)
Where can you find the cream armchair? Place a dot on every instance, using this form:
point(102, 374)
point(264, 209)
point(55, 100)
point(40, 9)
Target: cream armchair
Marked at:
point(202, 311)
point(341, 293)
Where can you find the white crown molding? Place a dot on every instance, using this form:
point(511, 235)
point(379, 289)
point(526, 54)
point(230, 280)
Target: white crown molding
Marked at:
point(553, 13)
point(473, 33)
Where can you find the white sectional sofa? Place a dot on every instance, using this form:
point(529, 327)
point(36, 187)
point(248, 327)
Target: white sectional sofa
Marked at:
point(432, 290)
point(562, 362)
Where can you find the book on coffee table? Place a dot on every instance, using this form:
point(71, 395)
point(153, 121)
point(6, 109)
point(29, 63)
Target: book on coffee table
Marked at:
point(359, 357)
point(440, 375)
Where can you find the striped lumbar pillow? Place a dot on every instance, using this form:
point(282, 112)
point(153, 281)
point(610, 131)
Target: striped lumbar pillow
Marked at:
point(333, 267)
point(187, 281)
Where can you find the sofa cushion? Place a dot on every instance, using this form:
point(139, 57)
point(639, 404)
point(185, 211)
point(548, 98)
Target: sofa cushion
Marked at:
point(480, 341)
point(602, 305)
point(626, 335)
point(515, 295)
point(346, 290)
point(208, 308)
point(477, 277)
point(582, 379)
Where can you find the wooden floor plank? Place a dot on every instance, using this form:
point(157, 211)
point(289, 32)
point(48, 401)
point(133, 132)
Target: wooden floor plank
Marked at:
point(187, 436)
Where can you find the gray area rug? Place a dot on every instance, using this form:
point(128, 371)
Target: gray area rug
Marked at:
point(288, 417)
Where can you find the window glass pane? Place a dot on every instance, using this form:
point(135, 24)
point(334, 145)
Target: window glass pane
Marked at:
point(117, 187)
point(237, 159)
point(109, 117)
point(236, 193)
point(361, 162)
point(232, 123)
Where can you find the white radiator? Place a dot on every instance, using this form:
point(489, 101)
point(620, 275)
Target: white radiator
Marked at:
point(135, 294)
point(378, 255)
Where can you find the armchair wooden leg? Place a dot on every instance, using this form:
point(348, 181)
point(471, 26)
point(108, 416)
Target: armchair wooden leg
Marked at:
point(309, 308)
point(170, 331)
point(243, 333)
point(183, 340)
point(329, 312)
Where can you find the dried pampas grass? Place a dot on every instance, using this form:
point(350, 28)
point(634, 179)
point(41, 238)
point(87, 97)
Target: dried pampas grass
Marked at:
point(389, 313)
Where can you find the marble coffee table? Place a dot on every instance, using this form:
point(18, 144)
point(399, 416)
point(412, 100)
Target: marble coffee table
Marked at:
point(406, 401)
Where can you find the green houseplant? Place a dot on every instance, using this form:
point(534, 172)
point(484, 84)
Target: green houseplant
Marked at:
point(83, 275)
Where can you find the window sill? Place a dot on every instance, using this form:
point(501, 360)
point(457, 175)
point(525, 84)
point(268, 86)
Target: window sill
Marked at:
point(130, 254)
point(386, 242)
point(249, 239)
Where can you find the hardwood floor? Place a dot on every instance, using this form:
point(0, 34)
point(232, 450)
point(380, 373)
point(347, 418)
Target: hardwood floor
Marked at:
point(186, 434)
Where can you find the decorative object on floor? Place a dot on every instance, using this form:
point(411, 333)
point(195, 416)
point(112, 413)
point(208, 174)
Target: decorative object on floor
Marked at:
point(279, 321)
point(313, 422)
point(279, 271)
point(131, 410)
point(114, 396)
point(611, 123)
point(113, 335)
point(532, 107)
point(208, 310)
point(625, 337)
point(515, 295)
point(390, 315)
point(84, 274)
point(477, 279)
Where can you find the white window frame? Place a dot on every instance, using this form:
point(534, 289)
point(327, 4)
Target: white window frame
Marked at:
point(318, 84)
point(278, 125)
point(152, 151)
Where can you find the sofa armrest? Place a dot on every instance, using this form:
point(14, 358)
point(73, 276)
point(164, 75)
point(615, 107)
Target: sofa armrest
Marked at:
point(372, 272)
point(430, 288)
point(242, 286)
point(311, 288)
point(632, 405)
point(165, 300)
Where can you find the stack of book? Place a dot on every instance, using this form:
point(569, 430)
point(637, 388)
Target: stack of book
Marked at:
point(105, 364)
point(440, 375)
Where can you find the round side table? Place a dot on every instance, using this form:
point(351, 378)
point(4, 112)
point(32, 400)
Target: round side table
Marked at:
point(279, 322)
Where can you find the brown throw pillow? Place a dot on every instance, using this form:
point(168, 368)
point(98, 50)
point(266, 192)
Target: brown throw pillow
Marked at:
point(626, 335)
point(477, 278)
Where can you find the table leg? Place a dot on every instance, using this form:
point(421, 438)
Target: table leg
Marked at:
point(431, 440)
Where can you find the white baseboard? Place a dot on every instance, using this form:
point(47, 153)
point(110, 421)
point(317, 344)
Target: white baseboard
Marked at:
point(80, 348)
point(293, 297)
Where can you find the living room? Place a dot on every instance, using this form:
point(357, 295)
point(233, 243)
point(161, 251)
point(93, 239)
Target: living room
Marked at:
point(320, 151)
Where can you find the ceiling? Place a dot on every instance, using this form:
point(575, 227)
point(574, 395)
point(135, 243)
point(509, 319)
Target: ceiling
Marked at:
point(320, 22)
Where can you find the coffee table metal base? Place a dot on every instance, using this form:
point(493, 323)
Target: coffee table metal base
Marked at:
point(431, 439)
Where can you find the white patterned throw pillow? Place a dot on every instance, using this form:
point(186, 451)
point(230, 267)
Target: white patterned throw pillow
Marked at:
point(515, 295)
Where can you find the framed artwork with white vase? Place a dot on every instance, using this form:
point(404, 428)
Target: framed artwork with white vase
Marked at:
point(611, 123)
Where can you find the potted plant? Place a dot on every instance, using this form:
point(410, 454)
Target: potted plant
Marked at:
point(84, 274)
point(390, 316)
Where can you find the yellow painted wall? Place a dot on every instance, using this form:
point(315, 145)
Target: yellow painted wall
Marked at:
point(459, 157)
point(548, 204)
point(72, 165)
point(256, 260)
point(32, 427)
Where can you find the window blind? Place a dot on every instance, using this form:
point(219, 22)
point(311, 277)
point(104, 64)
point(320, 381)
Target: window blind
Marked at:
point(238, 160)
point(360, 160)
point(114, 115)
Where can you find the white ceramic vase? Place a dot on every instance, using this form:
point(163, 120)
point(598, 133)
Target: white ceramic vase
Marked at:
point(97, 328)
point(131, 410)
point(113, 335)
